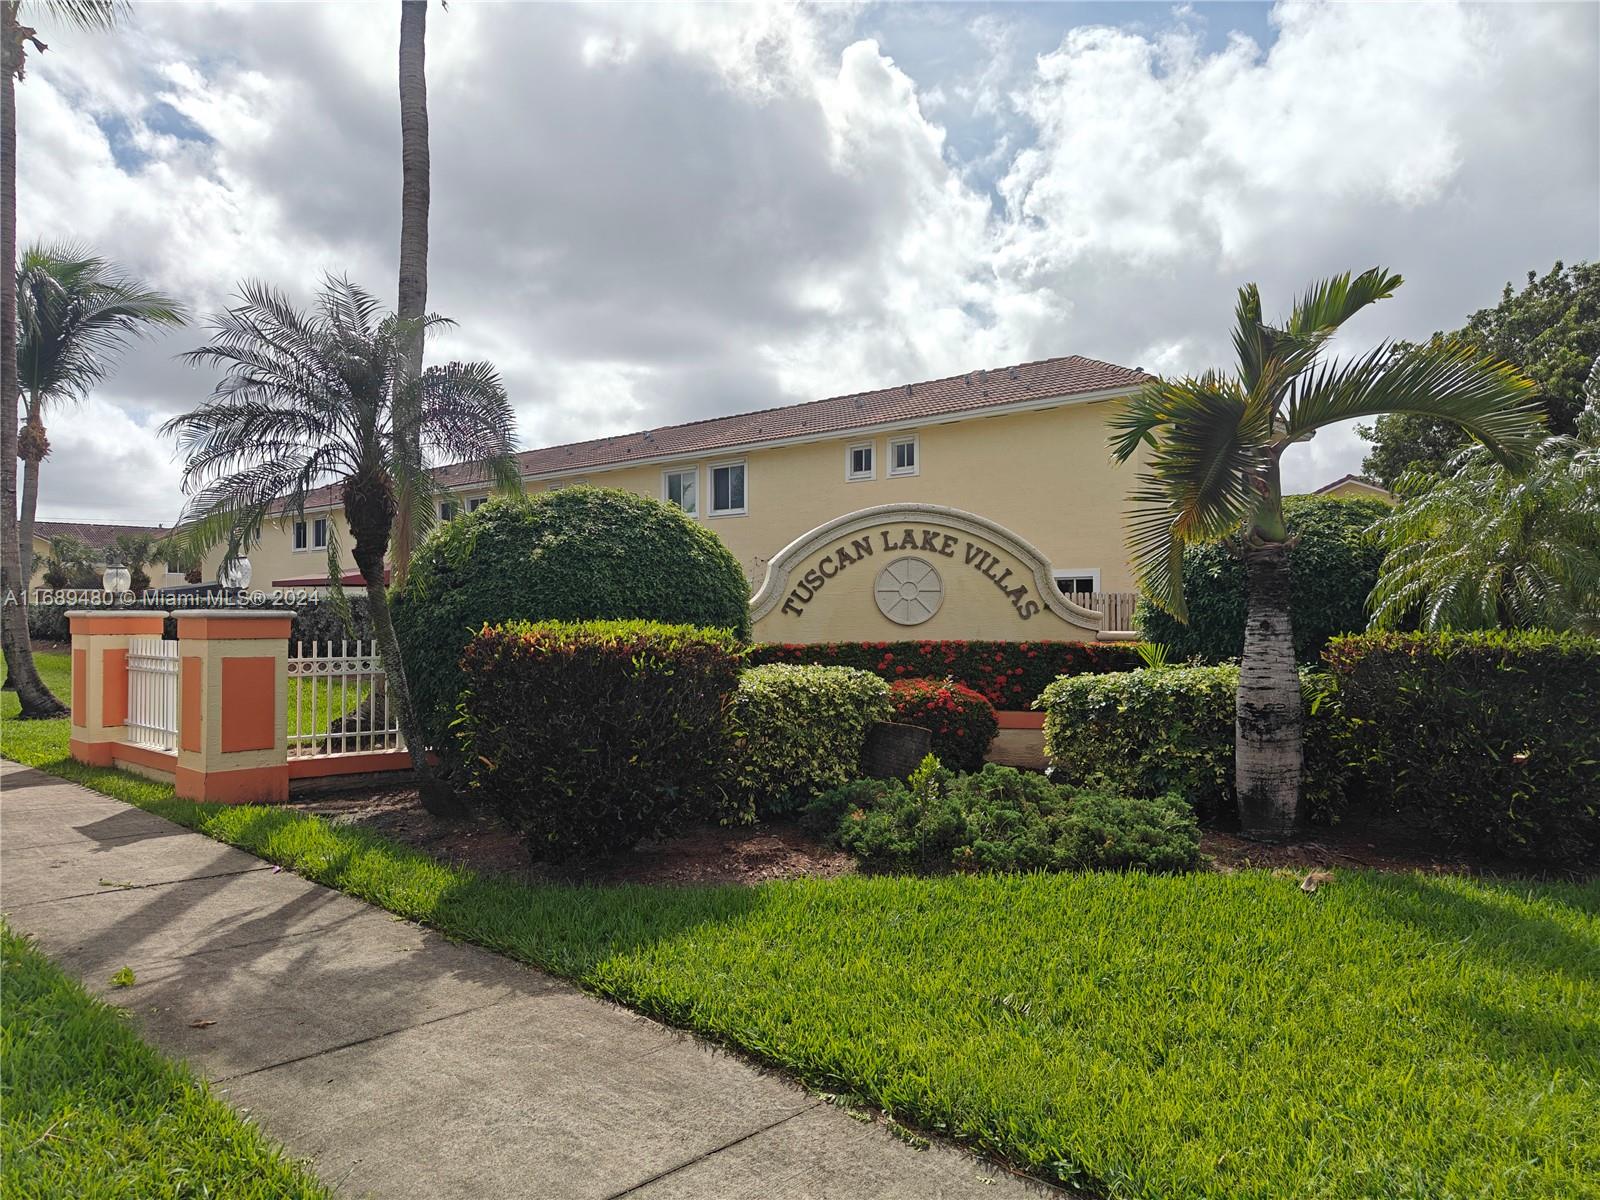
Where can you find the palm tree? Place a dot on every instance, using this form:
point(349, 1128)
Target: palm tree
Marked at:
point(75, 313)
point(1480, 547)
point(15, 38)
point(1214, 446)
point(414, 200)
point(331, 397)
point(135, 551)
point(71, 563)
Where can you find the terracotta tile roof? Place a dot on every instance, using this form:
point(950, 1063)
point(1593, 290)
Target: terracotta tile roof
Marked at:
point(97, 535)
point(930, 400)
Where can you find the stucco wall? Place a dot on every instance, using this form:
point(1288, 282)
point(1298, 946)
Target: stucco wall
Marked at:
point(1046, 475)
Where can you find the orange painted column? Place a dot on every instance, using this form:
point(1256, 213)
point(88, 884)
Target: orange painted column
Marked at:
point(232, 691)
point(100, 678)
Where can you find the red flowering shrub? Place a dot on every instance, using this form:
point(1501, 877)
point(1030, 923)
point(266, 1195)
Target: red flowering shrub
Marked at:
point(1010, 674)
point(961, 721)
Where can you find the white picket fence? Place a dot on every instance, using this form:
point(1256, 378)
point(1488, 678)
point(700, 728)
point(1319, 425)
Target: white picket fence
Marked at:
point(152, 692)
point(339, 700)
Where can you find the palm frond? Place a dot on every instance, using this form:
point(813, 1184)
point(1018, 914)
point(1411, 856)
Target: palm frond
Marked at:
point(1490, 399)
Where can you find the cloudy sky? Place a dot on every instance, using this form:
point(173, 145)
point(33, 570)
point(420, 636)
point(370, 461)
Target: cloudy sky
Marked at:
point(645, 215)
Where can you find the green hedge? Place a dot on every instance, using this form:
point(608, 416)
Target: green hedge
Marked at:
point(961, 721)
point(1002, 819)
point(577, 554)
point(1172, 730)
point(1333, 566)
point(589, 737)
point(1010, 674)
point(798, 731)
point(1492, 738)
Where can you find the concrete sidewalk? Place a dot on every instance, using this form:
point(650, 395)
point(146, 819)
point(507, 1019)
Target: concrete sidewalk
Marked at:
point(402, 1064)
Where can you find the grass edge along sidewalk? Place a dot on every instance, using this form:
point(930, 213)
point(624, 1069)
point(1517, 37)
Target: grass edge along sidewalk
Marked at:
point(91, 1110)
point(1201, 1035)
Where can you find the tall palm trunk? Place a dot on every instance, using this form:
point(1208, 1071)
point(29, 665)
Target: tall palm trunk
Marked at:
point(370, 508)
point(1268, 738)
point(36, 699)
point(414, 201)
point(33, 446)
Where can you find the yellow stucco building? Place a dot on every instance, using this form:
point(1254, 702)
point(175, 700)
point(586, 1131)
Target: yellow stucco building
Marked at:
point(913, 511)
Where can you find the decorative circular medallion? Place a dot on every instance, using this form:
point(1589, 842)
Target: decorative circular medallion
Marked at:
point(909, 591)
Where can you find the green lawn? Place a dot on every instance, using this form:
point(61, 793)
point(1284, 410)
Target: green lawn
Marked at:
point(91, 1111)
point(1201, 1035)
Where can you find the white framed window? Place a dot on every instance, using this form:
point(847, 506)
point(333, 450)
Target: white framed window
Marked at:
point(476, 503)
point(1078, 579)
point(682, 488)
point(448, 509)
point(557, 485)
point(728, 496)
point(861, 461)
point(905, 457)
point(319, 534)
point(299, 536)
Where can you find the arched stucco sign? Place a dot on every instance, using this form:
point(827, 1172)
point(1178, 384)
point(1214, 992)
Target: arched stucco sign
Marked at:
point(899, 571)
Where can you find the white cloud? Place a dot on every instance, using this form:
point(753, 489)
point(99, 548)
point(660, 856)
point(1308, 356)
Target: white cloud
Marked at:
point(658, 213)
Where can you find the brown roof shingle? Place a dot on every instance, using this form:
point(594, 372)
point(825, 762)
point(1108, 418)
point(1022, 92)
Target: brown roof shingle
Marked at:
point(1045, 379)
point(97, 535)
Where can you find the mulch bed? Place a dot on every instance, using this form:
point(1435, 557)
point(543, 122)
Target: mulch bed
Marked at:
point(755, 854)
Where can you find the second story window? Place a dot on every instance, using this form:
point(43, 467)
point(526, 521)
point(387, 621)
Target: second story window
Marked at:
point(319, 533)
point(903, 458)
point(299, 535)
point(727, 489)
point(680, 487)
point(476, 503)
point(860, 462)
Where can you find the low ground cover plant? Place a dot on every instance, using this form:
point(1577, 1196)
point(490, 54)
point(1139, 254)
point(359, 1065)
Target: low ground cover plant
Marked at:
point(1010, 674)
point(1492, 738)
point(961, 721)
point(1002, 819)
point(1171, 729)
point(92, 1111)
point(798, 731)
point(589, 736)
point(577, 554)
point(1086, 1027)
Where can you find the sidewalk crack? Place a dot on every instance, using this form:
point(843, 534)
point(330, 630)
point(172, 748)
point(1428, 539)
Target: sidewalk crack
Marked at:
point(713, 1152)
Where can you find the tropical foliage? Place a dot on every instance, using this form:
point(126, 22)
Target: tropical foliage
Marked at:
point(1212, 447)
point(1482, 546)
point(1551, 329)
point(1333, 564)
point(75, 313)
point(329, 398)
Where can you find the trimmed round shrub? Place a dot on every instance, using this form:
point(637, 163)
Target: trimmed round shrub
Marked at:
point(1492, 738)
point(798, 731)
point(1002, 819)
point(589, 737)
point(1171, 729)
point(577, 554)
point(962, 722)
point(1332, 567)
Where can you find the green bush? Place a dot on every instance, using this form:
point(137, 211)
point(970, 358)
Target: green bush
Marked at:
point(797, 732)
point(1492, 738)
point(1002, 819)
point(1010, 674)
point(1333, 566)
point(577, 554)
point(1171, 729)
point(588, 737)
point(962, 722)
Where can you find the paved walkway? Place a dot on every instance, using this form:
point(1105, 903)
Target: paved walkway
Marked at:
point(405, 1065)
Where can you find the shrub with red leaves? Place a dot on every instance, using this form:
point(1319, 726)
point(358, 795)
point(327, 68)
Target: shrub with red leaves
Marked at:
point(961, 721)
point(1010, 674)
